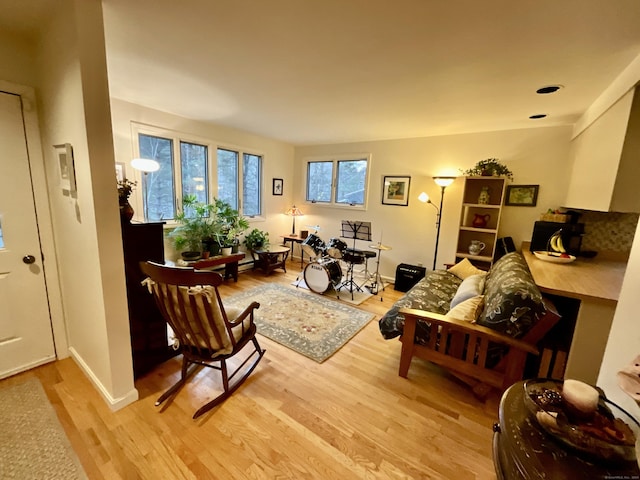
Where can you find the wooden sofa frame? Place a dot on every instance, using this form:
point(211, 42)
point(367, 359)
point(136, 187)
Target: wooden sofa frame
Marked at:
point(462, 348)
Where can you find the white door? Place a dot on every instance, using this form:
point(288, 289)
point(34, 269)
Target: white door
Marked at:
point(26, 339)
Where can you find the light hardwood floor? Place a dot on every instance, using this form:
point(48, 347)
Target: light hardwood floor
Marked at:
point(351, 417)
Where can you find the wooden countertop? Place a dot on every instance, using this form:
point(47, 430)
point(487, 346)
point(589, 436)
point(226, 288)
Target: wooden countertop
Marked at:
point(592, 278)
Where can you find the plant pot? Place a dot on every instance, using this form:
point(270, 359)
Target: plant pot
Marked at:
point(190, 256)
point(226, 250)
point(235, 248)
point(126, 212)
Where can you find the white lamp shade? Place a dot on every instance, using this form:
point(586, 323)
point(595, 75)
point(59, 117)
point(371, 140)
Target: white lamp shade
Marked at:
point(423, 197)
point(145, 165)
point(444, 181)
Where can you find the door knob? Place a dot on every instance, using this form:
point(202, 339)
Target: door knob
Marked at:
point(28, 259)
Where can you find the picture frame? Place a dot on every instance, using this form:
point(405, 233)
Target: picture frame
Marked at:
point(66, 168)
point(395, 190)
point(521, 195)
point(120, 172)
point(278, 186)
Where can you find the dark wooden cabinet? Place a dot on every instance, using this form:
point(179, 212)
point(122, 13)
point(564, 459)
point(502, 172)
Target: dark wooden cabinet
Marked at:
point(149, 342)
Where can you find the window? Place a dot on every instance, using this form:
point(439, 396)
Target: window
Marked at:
point(185, 170)
point(230, 172)
point(338, 181)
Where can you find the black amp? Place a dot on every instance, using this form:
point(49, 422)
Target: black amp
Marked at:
point(407, 276)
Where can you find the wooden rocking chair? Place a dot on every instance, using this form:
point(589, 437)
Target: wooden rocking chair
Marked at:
point(208, 334)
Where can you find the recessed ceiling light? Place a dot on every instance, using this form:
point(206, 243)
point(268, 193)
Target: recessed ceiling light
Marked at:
point(548, 89)
point(539, 115)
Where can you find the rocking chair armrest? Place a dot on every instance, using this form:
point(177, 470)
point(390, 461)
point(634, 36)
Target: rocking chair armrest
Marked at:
point(245, 313)
point(464, 326)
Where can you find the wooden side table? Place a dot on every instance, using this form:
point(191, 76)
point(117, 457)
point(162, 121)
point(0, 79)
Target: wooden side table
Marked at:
point(271, 257)
point(522, 450)
point(294, 239)
point(230, 263)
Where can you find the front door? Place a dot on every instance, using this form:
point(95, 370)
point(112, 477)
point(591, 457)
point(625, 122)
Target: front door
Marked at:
point(26, 339)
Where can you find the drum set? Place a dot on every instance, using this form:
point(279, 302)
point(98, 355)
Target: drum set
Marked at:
point(324, 271)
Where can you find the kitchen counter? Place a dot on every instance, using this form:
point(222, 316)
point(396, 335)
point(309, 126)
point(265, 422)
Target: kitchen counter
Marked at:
point(596, 282)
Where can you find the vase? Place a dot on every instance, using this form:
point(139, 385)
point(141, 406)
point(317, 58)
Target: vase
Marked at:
point(485, 196)
point(126, 211)
point(480, 221)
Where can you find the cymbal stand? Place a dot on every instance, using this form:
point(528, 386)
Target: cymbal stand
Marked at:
point(377, 278)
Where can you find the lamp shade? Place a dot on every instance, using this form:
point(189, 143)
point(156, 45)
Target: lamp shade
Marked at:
point(424, 197)
point(145, 165)
point(444, 181)
point(294, 212)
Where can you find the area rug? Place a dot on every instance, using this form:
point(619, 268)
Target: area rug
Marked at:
point(33, 443)
point(303, 321)
point(343, 295)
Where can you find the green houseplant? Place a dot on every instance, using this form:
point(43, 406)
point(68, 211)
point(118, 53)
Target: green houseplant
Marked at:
point(197, 224)
point(256, 239)
point(489, 167)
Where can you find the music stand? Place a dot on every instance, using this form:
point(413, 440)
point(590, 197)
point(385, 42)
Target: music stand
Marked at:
point(355, 230)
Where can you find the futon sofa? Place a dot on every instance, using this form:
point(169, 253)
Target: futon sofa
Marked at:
point(478, 325)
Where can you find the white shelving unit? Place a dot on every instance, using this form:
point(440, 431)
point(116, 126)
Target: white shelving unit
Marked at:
point(471, 209)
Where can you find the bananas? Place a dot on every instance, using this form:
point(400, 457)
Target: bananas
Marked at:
point(555, 242)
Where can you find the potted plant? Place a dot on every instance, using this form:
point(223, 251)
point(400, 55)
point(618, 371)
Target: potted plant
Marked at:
point(125, 188)
point(198, 224)
point(256, 239)
point(489, 167)
point(232, 224)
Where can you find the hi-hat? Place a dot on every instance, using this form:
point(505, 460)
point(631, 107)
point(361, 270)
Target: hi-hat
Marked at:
point(315, 227)
point(379, 246)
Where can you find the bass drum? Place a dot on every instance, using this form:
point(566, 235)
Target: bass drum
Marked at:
point(320, 276)
point(313, 246)
point(336, 248)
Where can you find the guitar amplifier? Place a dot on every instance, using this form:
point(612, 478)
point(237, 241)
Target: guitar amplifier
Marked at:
point(407, 276)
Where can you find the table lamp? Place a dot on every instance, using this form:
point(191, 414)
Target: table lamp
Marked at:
point(294, 212)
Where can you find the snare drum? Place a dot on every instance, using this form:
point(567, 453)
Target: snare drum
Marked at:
point(321, 275)
point(336, 248)
point(313, 245)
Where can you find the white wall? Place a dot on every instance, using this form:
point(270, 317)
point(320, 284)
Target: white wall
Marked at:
point(278, 159)
point(536, 156)
point(74, 108)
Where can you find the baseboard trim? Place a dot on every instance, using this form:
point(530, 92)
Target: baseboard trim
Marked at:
point(114, 403)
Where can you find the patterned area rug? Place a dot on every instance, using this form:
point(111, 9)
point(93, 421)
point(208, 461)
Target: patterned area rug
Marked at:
point(343, 295)
point(301, 320)
point(33, 443)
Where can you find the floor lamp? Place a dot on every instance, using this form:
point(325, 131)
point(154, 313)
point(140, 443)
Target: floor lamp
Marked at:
point(442, 182)
point(145, 165)
point(294, 212)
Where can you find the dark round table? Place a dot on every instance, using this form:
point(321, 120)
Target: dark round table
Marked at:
point(522, 450)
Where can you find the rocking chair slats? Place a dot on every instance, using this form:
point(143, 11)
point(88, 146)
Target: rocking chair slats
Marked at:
point(191, 304)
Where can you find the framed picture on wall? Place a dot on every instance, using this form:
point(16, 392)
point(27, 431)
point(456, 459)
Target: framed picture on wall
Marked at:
point(522, 195)
point(66, 167)
point(278, 185)
point(395, 190)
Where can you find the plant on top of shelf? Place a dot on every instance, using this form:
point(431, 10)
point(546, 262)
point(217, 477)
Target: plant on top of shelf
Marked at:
point(256, 238)
point(197, 223)
point(489, 167)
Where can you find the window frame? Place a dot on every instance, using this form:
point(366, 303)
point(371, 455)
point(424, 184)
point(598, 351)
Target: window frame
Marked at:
point(212, 166)
point(335, 160)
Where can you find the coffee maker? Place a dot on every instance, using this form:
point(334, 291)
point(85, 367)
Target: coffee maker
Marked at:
point(571, 236)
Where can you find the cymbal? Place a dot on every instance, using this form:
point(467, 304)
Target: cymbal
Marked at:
point(315, 227)
point(379, 246)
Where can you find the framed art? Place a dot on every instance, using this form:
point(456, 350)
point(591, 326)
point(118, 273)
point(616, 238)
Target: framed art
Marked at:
point(277, 186)
point(120, 172)
point(395, 190)
point(522, 195)
point(66, 167)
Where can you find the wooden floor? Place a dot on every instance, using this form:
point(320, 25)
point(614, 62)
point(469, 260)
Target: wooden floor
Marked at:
point(351, 417)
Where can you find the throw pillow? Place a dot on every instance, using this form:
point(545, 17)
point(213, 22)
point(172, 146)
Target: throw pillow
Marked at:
point(470, 287)
point(468, 310)
point(464, 269)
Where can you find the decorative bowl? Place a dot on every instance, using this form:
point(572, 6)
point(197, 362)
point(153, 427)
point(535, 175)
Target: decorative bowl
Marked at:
point(610, 435)
point(553, 257)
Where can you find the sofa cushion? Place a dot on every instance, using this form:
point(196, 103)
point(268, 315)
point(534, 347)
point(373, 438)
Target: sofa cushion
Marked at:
point(513, 302)
point(468, 310)
point(464, 268)
point(470, 287)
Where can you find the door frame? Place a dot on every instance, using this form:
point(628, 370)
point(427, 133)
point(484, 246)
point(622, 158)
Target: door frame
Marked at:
point(45, 224)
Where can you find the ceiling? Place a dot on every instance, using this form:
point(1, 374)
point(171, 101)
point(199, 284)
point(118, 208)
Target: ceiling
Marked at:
point(331, 71)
